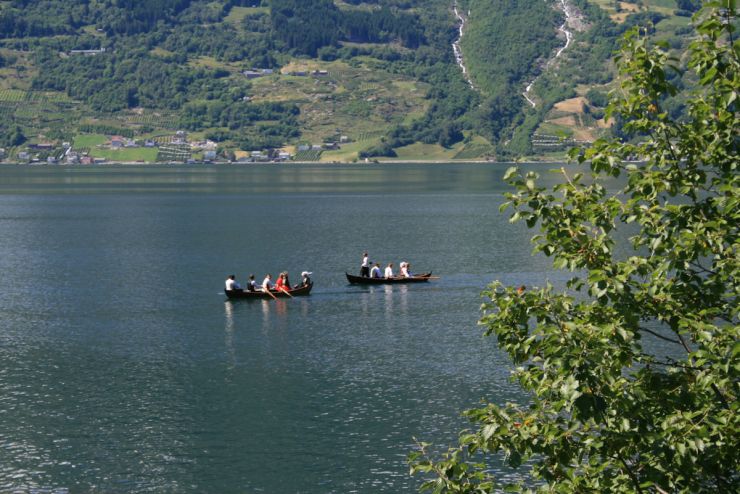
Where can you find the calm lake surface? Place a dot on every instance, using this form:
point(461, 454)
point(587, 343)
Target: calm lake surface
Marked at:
point(124, 369)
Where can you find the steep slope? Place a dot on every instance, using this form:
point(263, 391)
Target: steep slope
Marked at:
point(380, 78)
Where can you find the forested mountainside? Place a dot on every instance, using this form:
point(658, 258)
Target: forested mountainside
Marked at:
point(311, 79)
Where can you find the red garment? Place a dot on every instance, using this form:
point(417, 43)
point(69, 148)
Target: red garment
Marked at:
point(279, 286)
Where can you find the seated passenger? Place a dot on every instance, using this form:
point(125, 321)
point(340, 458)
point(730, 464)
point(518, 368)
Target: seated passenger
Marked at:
point(405, 270)
point(252, 285)
point(375, 272)
point(231, 283)
point(306, 280)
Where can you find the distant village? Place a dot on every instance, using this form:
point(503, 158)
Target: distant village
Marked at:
point(169, 149)
point(176, 148)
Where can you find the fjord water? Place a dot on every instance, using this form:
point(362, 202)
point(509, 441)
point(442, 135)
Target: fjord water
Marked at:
point(124, 369)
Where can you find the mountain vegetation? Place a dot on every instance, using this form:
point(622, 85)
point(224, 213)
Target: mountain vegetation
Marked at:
point(385, 75)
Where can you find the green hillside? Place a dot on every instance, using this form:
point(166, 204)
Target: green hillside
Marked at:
point(375, 79)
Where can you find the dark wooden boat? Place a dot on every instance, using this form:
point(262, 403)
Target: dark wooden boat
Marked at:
point(260, 295)
point(362, 280)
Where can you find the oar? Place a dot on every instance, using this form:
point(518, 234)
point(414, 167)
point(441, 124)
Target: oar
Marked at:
point(270, 293)
point(431, 277)
point(286, 292)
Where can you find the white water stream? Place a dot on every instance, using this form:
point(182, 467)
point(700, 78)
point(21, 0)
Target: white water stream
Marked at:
point(568, 39)
point(457, 49)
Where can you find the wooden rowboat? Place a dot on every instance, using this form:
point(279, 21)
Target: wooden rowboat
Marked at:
point(362, 280)
point(245, 294)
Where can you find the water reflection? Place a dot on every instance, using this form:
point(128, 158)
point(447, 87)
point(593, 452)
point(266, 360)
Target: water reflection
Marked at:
point(279, 307)
point(391, 300)
point(229, 334)
point(286, 178)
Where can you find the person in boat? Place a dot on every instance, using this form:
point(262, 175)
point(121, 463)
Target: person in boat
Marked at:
point(389, 270)
point(267, 283)
point(402, 269)
point(365, 267)
point(252, 285)
point(375, 272)
point(406, 270)
point(280, 285)
point(231, 283)
point(286, 281)
point(306, 279)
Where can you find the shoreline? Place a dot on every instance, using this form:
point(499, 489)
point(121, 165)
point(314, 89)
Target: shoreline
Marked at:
point(302, 163)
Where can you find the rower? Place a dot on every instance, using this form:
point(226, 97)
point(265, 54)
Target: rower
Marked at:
point(267, 283)
point(280, 283)
point(252, 285)
point(389, 270)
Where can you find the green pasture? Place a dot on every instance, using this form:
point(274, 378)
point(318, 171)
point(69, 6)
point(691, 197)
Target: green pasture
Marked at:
point(477, 147)
point(348, 152)
point(665, 4)
point(667, 27)
point(161, 52)
point(125, 154)
point(89, 140)
point(551, 129)
point(238, 14)
point(421, 151)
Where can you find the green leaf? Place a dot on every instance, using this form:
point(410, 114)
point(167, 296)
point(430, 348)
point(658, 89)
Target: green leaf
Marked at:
point(510, 172)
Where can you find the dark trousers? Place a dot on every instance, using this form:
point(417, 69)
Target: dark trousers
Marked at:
point(365, 271)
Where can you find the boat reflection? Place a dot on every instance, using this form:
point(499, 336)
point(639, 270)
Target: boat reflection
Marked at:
point(229, 335)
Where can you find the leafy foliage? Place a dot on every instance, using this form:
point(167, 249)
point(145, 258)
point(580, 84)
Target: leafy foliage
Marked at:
point(11, 135)
point(609, 412)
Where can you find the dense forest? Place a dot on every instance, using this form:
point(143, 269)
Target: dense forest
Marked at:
point(304, 26)
point(186, 57)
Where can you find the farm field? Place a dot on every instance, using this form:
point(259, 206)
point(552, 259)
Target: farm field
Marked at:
point(420, 151)
point(126, 154)
point(89, 140)
point(238, 14)
point(358, 102)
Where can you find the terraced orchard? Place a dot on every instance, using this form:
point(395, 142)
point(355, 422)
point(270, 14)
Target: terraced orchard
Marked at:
point(356, 101)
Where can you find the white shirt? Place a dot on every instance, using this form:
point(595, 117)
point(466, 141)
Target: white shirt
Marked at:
point(405, 271)
point(389, 272)
point(229, 284)
point(365, 262)
point(375, 272)
point(266, 284)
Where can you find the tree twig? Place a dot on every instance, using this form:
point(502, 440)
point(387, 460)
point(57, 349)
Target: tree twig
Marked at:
point(658, 335)
point(631, 474)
